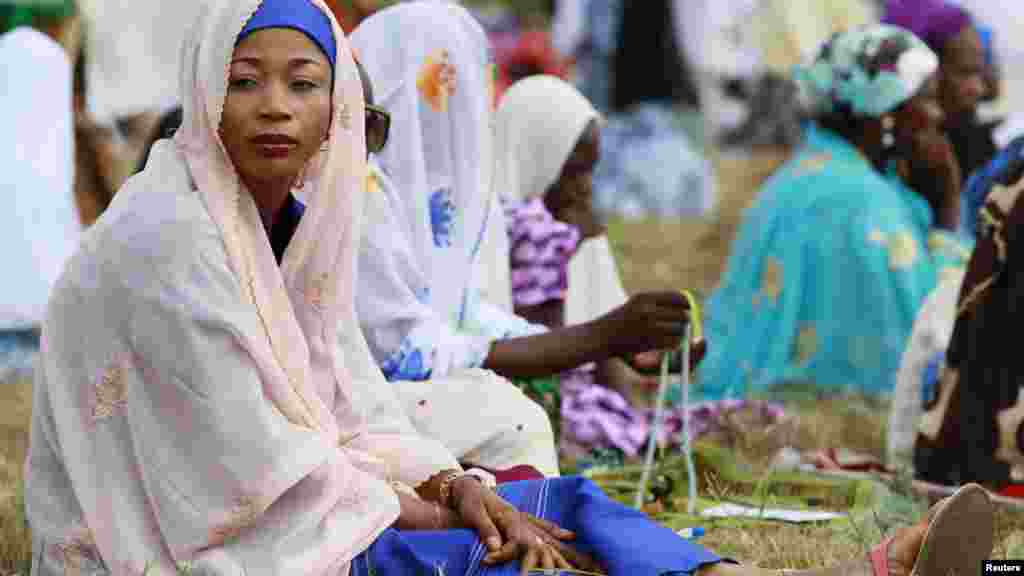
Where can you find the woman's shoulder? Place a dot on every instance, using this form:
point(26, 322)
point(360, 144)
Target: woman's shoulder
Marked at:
point(823, 172)
point(156, 226)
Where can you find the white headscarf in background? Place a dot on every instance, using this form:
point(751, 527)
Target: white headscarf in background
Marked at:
point(538, 123)
point(195, 401)
point(132, 52)
point(419, 312)
point(39, 225)
point(434, 84)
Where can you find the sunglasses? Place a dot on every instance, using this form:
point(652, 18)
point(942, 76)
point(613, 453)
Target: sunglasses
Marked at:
point(378, 125)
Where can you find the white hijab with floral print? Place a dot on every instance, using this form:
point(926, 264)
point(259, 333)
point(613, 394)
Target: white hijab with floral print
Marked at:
point(415, 300)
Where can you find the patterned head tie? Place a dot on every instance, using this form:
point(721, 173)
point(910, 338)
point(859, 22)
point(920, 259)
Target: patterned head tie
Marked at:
point(867, 72)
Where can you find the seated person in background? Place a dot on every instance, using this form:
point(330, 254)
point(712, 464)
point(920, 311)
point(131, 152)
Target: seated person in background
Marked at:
point(416, 299)
point(952, 34)
point(970, 427)
point(546, 146)
point(844, 242)
point(923, 361)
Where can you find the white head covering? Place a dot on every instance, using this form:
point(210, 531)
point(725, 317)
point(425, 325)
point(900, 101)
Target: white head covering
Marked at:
point(537, 125)
point(133, 50)
point(197, 397)
point(415, 302)
point(39, 225)
point(434, 82)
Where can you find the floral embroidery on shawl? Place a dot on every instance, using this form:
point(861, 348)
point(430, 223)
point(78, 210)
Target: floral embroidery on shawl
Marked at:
point(110, 392)
point(344, 116)
point(244, 513)
point(442, 216)
point(436, 81)
point(77, 553)
point(317, 290)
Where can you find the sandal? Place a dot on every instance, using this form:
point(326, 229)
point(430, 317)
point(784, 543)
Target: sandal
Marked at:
point(959, 537)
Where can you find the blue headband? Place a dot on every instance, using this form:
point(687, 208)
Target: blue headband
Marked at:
point(299, 15)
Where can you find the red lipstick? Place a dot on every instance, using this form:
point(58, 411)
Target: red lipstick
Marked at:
point(274, 145)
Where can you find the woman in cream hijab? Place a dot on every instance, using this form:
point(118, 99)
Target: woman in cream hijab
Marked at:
point(192, 403)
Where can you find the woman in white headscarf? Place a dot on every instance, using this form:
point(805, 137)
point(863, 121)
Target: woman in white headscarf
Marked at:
point(417, 301)
point(548, 260)
point(39, 227)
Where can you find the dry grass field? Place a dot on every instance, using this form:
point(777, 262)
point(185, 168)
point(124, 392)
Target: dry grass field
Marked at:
point(654, 255)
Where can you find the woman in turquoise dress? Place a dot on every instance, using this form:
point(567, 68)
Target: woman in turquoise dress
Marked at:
point(846, 240)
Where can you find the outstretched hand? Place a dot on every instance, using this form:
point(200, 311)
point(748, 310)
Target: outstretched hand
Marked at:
point(647, 321)
point(510, 534)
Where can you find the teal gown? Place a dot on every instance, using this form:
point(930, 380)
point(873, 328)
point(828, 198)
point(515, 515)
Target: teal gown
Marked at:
point(830, 265)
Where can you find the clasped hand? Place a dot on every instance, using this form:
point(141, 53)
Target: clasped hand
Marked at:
point(510, 534)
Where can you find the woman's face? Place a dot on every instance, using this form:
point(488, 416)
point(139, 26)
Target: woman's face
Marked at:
point(277, 111)
point(962, 83)
point(569, 198)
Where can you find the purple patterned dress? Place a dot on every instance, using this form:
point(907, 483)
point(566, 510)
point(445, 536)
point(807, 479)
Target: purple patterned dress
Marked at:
point(592, 419)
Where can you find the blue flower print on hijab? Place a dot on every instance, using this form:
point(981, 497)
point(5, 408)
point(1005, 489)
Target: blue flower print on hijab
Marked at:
point(442, 217)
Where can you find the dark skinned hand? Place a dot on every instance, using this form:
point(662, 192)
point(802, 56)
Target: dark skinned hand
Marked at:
point(510, 534)
point(933, 170)
point(648, 321)
point(650, 362)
